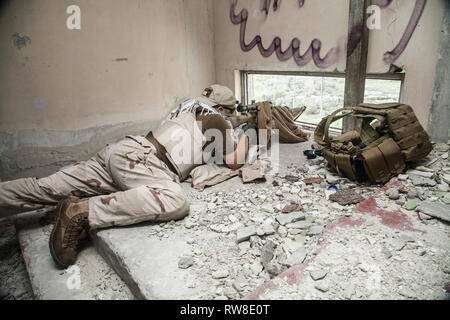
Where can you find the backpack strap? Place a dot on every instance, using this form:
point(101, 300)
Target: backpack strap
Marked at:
point(380, 106)
point(321, 134)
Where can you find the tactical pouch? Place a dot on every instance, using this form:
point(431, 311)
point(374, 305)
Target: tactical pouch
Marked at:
point(383, 161)
point(390, 136)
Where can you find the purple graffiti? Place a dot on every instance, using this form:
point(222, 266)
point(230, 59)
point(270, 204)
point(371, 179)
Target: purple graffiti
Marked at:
point(265, 6)
point(391, 56)
point(293, 51)
point(276, 5)
point(313, 52)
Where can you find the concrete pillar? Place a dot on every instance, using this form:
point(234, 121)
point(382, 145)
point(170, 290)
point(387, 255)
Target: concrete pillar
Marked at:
point(439, 120)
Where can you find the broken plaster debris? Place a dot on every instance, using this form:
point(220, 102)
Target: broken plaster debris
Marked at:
point(296, 228)
point(240, 239)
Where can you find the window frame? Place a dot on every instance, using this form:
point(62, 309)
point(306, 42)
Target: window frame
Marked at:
point(244, 96)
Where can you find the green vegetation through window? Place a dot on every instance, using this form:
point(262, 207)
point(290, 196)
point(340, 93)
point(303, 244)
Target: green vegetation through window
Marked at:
point(322, 95)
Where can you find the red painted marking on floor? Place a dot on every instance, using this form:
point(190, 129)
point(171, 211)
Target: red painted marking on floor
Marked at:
point(395, 219)
point(254, 295)
point(296, 274)
point(344, 222)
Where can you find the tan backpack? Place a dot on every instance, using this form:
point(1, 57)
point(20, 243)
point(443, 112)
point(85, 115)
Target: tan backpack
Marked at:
point(390, 136)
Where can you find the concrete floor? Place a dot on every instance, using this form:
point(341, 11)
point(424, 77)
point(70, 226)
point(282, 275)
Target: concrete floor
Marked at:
point(372, 250)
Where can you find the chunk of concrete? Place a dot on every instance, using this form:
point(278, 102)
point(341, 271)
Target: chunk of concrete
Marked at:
point(386, 252)
point(323, 287)
point(393, 194)
point(240, 283)
point(420, 173)
point(412, 194)
point(296, 257)
point(284, 219)
point(446, 178)
point(220, 274)
point(422, 181)
point(315, 230)
point(292, 246)
point(149, 264)
point(244, 234)
point(299, 225)
point(435, 209)
point(185, 262)
point(266, 230)
point(318, 274)
point(267, 252)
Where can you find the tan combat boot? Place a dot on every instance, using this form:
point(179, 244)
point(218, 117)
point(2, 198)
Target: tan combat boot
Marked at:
point(71, 219)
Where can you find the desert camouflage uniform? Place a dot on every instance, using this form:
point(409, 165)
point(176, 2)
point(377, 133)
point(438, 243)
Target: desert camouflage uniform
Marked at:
point(126, 183)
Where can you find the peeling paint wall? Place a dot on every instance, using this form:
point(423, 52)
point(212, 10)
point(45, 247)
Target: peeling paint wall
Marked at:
point(130, 61)
point(312, 36)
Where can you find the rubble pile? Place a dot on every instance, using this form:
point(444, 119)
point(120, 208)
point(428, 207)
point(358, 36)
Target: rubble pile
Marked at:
point(341, 239)
point(427, 186)
point(261, 230)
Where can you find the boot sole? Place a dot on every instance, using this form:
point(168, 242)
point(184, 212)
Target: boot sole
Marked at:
point(62, 206)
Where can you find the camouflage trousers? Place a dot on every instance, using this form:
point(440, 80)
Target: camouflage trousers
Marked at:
point(126, 183)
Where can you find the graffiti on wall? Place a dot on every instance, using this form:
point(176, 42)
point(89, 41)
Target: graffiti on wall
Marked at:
point(391, 56)
point(313, 52)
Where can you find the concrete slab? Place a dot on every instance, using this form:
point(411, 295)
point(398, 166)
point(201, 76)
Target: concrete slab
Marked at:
point(149, 263)
point(89, 279)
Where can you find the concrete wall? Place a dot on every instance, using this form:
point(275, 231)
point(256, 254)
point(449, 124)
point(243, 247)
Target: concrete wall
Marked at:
point(65, 93)
point(325, 23)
